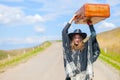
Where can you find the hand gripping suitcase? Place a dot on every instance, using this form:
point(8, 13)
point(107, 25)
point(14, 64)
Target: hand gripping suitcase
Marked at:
point(93, 12)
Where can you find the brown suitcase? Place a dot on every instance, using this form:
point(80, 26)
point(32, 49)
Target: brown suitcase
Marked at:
point(93, 12)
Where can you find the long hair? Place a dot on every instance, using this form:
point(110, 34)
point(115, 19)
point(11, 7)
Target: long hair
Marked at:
point(80, 46)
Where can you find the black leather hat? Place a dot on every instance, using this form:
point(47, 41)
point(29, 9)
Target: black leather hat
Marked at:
point(77, 31)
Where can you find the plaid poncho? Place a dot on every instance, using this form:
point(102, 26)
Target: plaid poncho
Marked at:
point(90, 54)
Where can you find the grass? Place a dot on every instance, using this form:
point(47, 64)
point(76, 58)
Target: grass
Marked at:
point(112, 55)
point(109, 42)
point(17, 59)
point(5, 54)
point(111, 63)
point(110, 59)
point(58, 40)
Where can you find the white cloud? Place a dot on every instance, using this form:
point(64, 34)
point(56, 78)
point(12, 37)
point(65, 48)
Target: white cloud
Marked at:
point(34, 19)
point(39, 29)
point(15, 41)
point(107, 25)
point(15, 15)
point(28, 40)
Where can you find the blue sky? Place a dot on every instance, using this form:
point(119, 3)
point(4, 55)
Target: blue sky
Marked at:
point(27, 23)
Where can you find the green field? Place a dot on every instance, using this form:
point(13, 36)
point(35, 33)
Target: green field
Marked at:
point(111, 58)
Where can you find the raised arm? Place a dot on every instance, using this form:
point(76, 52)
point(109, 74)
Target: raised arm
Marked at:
point(92, 30)
point(95, 46)
point(66, 41)
point(68, 60)
point(65, 38)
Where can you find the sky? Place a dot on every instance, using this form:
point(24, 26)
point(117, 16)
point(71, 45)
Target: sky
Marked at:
point(27, 23)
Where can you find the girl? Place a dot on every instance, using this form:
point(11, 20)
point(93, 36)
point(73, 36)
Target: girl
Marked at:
point(79, 55)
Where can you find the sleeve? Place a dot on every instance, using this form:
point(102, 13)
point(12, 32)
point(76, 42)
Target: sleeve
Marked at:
point(65, 38)
point(69, 65)
point(95, 45)
point(66, 43)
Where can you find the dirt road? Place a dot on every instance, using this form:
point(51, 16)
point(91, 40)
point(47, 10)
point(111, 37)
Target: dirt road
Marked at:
point(48, 65)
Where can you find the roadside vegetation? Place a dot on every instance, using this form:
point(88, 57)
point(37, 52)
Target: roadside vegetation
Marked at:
point(110, 47)
point(111, 58)
point(15, 58)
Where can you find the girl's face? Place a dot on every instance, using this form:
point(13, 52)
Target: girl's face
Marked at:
point(77, 39)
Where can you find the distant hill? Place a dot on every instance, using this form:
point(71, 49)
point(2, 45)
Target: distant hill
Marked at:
point(110, 40)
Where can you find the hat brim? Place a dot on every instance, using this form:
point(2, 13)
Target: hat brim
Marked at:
point(83, 35)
